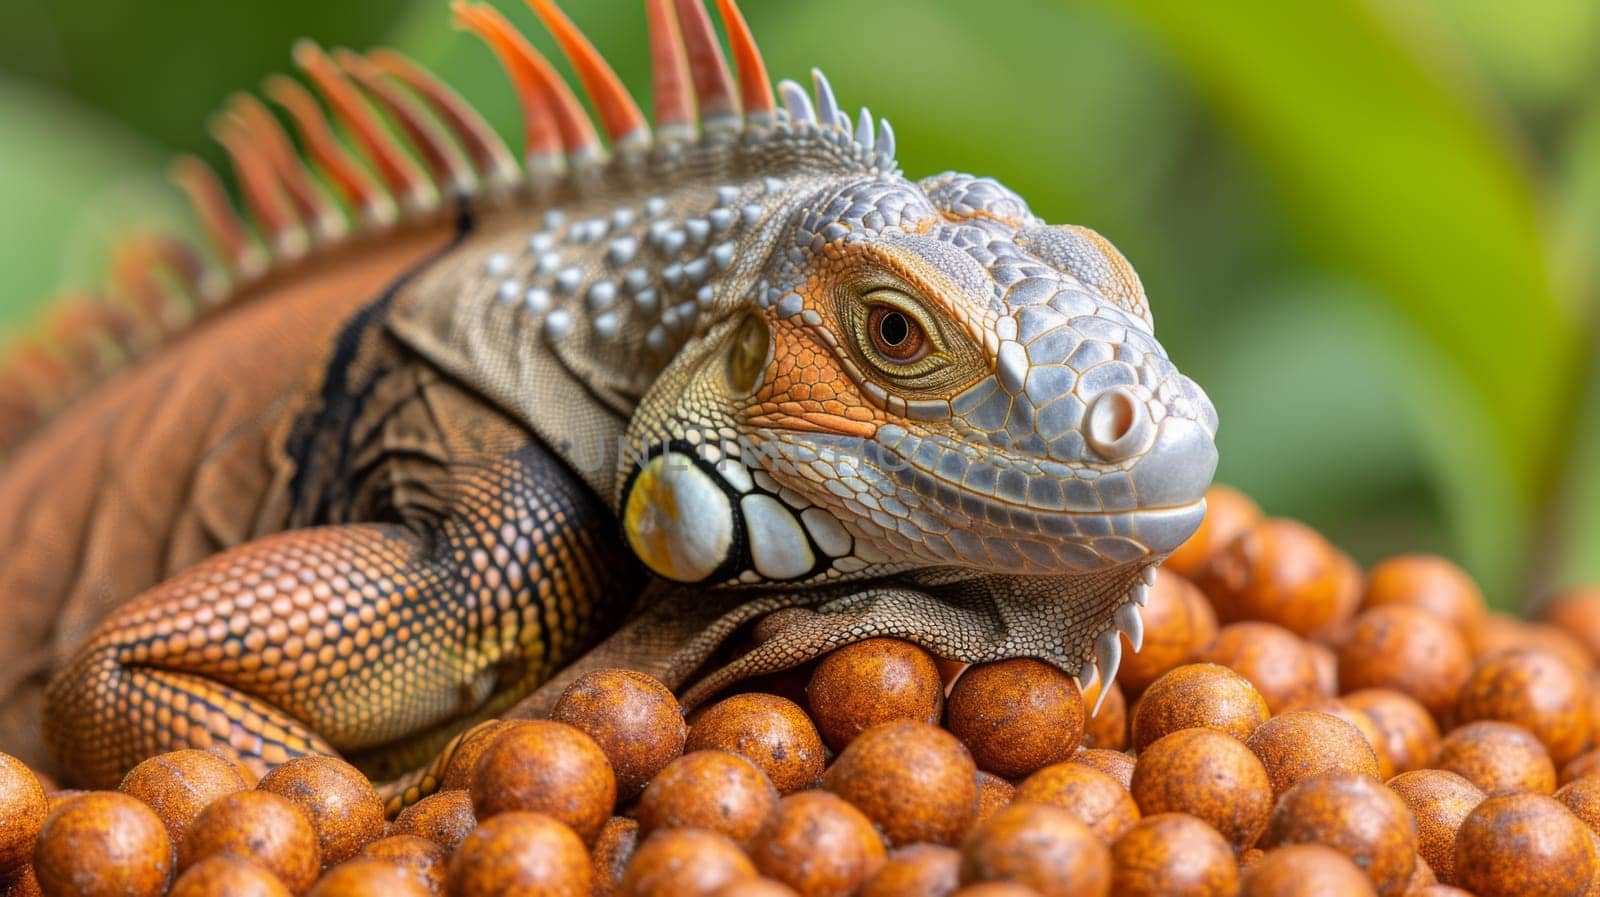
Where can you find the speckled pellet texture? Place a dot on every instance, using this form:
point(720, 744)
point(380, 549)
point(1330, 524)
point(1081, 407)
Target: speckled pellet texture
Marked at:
point(1439, 802)
point(915, 781)
point(520, 852)
point(341, 803)
point(1043, 847)
point(634, 719)
point(546, 767)
point(1354, 814)
point(871, 682)
point(711, 790)
point(1098, 800)
point(1523, 845)
point(262, 827)
point(1173, 855)
point(104, 844)
point(1198, 695)
point(1206, 774)
point(178, 785)
point(772, 732)
point(820, 845)
point(1016, 716)
point(1299, 744)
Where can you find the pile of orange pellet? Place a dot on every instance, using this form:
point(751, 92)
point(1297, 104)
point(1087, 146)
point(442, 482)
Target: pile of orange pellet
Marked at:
point(1291, 726)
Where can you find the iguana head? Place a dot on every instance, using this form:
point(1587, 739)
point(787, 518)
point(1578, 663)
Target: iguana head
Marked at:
point(921, 375)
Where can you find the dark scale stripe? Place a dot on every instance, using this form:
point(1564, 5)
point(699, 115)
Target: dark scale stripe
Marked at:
point(340, 400)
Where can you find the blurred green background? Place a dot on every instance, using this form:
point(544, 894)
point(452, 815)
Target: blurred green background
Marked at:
point(1366, 226)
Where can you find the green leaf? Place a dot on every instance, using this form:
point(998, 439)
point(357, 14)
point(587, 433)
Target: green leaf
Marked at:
point(1394, 177)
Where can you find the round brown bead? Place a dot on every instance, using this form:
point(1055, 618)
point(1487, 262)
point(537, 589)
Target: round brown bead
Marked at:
point(104, 843)
point(1300, 744)
point(612, 850)
point(23, 808)
point(1198, 695)
point(178, 785)
point(1523, 845)
point(1016, 716)
point(1409, 737)
point(1584, 765)
point(916, 870)
point(1354, 814)
point(1409, 650)
point(265, 828)
point(1582, 799)
point(226, 875)
point(993, 793)
point(1498, 758)
point(1229, 512)
point(445, 818)
point(368, 877)
point(634, 719)
point(1370, 733)
point(464, 759)
point(1577, 611)
point(1098, 800)
point(1043, 847)
point(769, 731)
point(1439, 802)
point(1428, 582)
point(1209, 775)
point(1304, 870)
point(518, 852)
point(418, 857)
point(755, 887)
point(546, 767)
point(683, 862)
point(340, 802)
point(820, 845)
point(1280, 571)
point(1500, 632)
point(1274, 659)
point(1173, 855)
point(871, 682)
point(1178, 624)
point(915, 781)
point(1535, 690)
point(1115, 764)
point(711, 790)
point(1106, 727)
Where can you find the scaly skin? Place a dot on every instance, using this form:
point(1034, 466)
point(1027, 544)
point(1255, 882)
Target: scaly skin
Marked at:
point(745, 370)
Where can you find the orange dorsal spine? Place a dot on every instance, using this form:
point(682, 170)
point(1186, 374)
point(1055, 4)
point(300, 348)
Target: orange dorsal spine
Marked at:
point(382, 144)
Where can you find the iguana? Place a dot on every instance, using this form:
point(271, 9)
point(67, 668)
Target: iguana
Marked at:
point(428, 423)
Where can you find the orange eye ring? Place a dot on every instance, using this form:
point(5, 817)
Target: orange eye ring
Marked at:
point(897, 336)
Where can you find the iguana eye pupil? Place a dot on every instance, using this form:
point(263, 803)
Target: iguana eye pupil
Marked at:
point(896, 336)
point(894, 328)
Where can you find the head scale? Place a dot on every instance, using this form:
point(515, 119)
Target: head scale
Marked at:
point(921, 375)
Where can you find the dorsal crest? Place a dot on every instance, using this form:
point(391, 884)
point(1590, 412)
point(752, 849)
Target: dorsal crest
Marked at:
point(375, 142)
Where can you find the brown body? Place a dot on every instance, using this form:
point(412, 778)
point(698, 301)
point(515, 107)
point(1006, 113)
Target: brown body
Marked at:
point(124, 490)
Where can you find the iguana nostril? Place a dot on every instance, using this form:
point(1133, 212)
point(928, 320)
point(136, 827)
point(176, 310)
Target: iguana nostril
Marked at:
point(1118, 426)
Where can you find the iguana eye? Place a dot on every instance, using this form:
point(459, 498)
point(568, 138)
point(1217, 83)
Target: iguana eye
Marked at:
point(896, 336)
point(899, 342)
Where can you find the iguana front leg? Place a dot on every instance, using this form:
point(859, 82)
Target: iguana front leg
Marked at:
point(378, 642)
